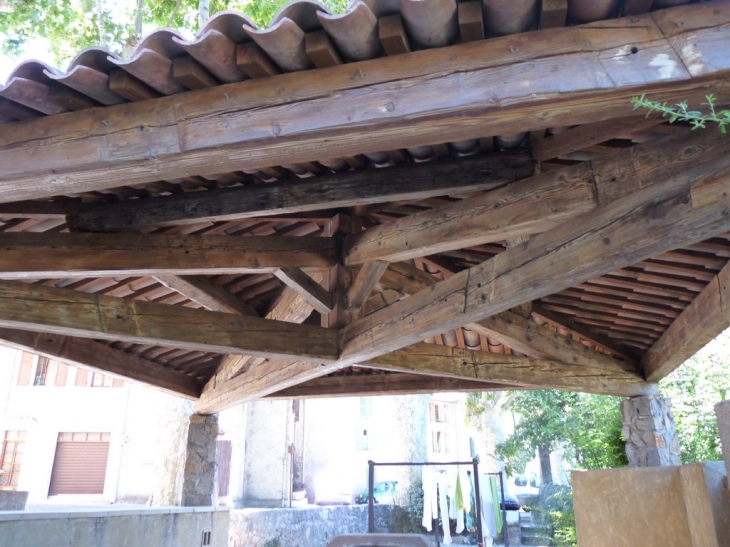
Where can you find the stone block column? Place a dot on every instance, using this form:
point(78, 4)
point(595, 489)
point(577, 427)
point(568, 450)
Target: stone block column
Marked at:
point(722, 412)
point(648, 425)
point(200, 480)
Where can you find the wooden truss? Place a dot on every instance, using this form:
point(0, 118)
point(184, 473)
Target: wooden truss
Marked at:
point(491, 271)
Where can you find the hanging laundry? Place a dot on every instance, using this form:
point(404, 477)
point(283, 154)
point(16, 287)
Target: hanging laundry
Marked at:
point(428, 482)
point(489, 524)
point(459, 504)
point(496, 497)
point(443, 485)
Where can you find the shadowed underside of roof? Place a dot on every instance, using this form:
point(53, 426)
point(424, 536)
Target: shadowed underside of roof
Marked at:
point(294, 211)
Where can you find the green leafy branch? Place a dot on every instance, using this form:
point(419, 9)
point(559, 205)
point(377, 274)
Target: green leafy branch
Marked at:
point(679, 112)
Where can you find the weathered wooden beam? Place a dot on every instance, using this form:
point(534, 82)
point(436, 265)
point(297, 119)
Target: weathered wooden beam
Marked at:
point(528, 206)
point(549, 78)
point(432, 359)
point(207, 293)
point(362, 385)
point(319, 298)
point(512, 329)
point(705, 318)
point(44, 255)
point(347, 189)
point(364, 283)
point(85, 353)
point(63, 311)
point(678, 211)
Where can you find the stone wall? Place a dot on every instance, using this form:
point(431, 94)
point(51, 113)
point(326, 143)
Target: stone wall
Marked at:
point(200, 484)
point(305, 527)
point(649, 429)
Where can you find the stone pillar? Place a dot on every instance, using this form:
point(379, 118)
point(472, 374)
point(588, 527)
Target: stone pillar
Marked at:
point(722, 411)
point(649, 429)
point(200, 482)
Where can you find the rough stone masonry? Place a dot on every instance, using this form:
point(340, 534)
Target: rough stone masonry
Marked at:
point(201, 467)
point(648, 425)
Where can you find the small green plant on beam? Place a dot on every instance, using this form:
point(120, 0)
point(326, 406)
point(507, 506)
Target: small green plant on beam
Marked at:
point(679, 112)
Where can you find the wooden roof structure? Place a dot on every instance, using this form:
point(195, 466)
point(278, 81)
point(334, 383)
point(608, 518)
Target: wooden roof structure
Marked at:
point(415, 196)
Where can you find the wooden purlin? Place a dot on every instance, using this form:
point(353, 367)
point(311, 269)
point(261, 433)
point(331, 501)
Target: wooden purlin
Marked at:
point(574, 76)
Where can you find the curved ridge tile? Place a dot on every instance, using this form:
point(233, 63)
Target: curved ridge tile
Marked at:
point(88, 74)
point(230, 24)
point(503, 17)
point(284, 43)
point(303, 13)
point(381, 8)
point(28, 85)
point(216, 52)
point(430, 23)
point(587, 11)
point(355, 33)
point(151, 61)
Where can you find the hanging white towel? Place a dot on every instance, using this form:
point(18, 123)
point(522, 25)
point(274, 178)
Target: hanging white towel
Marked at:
point(443, 483)
point(430, 497)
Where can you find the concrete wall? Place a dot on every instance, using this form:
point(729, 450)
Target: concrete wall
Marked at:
point(667, 506)
point(163, 527)
point(305, 527)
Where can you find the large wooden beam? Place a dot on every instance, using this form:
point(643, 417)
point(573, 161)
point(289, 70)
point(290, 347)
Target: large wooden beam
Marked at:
point(325, 192)
point(63, 311)
point(46, 255)
point(681, 210)
point(511, 329)
point(86, 353)
point(363, 385)
point(529, 206)
point(432, 359)
point(298, 281)
point(549, 78)
point(705, 318)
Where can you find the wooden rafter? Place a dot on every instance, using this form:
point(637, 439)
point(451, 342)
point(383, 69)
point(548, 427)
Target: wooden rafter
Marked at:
point(572, 76)
point(96, 356)
point(207, 293)
point(298, 281)
point(432, 359)
point(678, 211)
point(531, 206)
point(47, 255)
point(348, 189)
point(362, 385)
point(63, 311)
point(706, 317)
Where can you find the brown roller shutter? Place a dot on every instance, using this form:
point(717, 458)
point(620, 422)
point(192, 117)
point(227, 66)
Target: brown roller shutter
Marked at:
point(82, 377)
point(224, 467)
point(26, 364)
point(61, 374)
point(80, 464)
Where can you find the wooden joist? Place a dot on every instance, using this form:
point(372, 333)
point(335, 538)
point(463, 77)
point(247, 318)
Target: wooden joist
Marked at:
point(705, 318)
point(432, 359)
point(96, 356)
point(61, 255)
point(363, 385)
point(348, 189)
point(534, 205)
point(202, 290)
point(678, 211)
point(298, 281)
point(67, 312)
point(511, 329)
point(532, 81)
point(364, 283)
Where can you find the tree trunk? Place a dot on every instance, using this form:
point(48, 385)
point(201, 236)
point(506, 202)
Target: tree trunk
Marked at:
point(543, 452)
point(203, 12)
point(100, 22)
point(411, 418)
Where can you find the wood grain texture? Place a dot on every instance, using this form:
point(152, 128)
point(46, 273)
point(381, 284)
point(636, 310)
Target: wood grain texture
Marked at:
point(207, 293)
point(364, 283)
point(319, 298)
point(93, 355)
point(432, 359)
point(44, 255)
point(538, 80)
point(623, 232)
point(72, 313)
point(364, 385)
point(705, 318)
point(340, 190)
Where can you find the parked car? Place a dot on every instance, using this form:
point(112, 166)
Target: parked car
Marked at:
point(383, 492)
point(527, 488)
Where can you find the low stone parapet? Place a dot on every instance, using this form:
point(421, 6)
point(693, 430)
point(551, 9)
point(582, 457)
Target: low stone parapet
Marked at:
point(12, 500)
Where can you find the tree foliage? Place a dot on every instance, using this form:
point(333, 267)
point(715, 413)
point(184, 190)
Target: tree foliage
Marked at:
point(72, 25)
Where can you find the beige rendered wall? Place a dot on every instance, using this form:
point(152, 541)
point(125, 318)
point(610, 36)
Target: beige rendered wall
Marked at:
point(667, 506)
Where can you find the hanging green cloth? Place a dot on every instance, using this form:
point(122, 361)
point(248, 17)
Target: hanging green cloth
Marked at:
point(459, 496)
point(496, 500)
